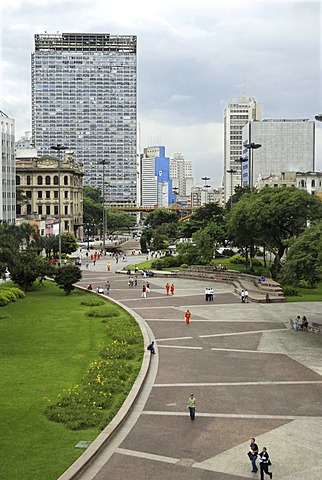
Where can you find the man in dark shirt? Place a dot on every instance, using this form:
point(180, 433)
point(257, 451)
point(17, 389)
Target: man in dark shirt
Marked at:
point(252, 454)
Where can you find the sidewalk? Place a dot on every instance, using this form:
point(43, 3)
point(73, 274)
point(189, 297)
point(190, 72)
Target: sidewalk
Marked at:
point(251, 375)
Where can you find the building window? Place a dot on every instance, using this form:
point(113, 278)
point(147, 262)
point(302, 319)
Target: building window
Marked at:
point(55, 209)
point(66, 194)
point(39, 194)
point(47, 209)
point(39, 180)
point(18, 209)
point(55, 193)
point(28, 208)
point(65, 180)
point(28, 180)
point(67, 225)
point(40, 209)
point(56, 180)
point(313, 184)
point(47, 194)
point(17, 180)
point(47, 180)
point(28, 193)
point(66, 209)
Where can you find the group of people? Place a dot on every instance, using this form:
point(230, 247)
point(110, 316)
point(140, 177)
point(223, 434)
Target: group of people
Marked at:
point(100, 289)
point(169, 288)
point(244, 296)
point(133, 281)
point(145, 289)
point(209, 294)
point(262, 457)
point(300, 323)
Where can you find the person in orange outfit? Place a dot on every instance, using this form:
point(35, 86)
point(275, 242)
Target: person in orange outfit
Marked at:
point(187, 316)
point(172, 289)
point(167, 288)
point(108, 267)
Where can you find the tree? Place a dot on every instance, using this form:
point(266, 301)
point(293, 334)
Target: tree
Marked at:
point(27, 267)
point(209, 213)
point(304, 259)
point(118, 221)
point(66, 276)
point(68, 243)
point(159, 217)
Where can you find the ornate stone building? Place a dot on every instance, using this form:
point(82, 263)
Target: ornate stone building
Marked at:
point(50, 185)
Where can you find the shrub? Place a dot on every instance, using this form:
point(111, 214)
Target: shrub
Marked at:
point(290, 291)
point(304, 284)
point(11, 297)
point(3, 300)
point(103, 313)
point(16, 291)
point(239, 259)
point(184, 265)
point(92, 303)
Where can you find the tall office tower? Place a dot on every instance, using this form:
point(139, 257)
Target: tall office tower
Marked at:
point(84, 97)
point(7, 170)
point(237, 114)
point(287, 145)
point(156, 184)
point(181, 174)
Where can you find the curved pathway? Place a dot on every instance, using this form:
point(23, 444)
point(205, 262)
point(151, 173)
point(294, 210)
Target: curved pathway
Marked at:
point(251, 375)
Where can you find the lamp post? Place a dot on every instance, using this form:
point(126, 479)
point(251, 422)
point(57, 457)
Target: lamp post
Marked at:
point(251, 146)
point(205, 179)
point(103, 194)
point(59, 148)
point(231, 171)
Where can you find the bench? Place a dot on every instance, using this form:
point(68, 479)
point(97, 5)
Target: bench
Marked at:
point(315, 327)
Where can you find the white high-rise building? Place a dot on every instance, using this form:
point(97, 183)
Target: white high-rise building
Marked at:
point(181, 174)
point(287, 145)
point(237, 114)
point(7, 170)
point(84, 97)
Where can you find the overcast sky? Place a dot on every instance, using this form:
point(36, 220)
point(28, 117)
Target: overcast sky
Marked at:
point(193, 57)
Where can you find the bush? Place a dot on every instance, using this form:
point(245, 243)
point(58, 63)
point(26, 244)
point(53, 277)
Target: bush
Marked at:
point(3, 300)
point(10, 296)
point(304, 284)
point(290, 291)
point(103, 313)
point(16, 291)
point(239, 259)
point(92, 303)
point(166, 262)
point(184, 265)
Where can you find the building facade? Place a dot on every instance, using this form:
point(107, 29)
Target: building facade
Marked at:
point(49, 186)
point(181, 175)
point(287, 145)
point(84, 97)
point(309, 181)
point(156, 184)
point(238, 113)
point(7, 171)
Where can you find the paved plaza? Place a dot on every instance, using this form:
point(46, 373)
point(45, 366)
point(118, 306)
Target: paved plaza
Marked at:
point(251, 375)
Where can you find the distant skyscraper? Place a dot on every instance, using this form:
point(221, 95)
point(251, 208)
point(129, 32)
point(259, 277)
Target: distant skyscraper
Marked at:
point(181, 174)
point(156, 184)
point(7, 170)
point(84, 96)
point(237, 114)
point(287, 145)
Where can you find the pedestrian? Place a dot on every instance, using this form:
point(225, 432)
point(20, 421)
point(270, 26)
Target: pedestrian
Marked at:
point(207, 294)
point(192, 406)
point(264, 463)
point(242, 296)
point(107, 286)
point(148, 287)
point(167, 288)
point(246, 296)
point(108, 267)
point(89, 287)
point(151, 348)
point(172, 289)
point(143, 295)
point(136, 281)
point(252, 454)
point(94, 261)
point(211, 294)
point(187, 316)
point(87, 264)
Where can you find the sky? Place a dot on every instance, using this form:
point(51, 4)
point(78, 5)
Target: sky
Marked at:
point(193, 57)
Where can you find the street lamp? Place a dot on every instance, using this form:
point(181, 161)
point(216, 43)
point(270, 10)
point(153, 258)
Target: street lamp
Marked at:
point(251, 146)
point(103, 194)
point(231, 171)
point(59, 148)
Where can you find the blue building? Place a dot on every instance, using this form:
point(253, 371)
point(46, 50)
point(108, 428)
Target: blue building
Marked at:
point(156, 184)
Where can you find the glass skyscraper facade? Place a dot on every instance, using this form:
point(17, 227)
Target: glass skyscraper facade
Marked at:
point(84, 96)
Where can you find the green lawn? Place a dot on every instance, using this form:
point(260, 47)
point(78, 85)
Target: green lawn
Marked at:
point(308, 295)
point(46, 345)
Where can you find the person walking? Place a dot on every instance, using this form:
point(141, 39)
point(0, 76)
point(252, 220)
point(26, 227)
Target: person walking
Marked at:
point(242, 296)
point(187, 316)
point(172, 289)
point(246, 296)
point(151, 348)
point(87, 264)
point(107, 286)
point(148, 287)
point(167, 288)
point(207, 294)
point(264, 463)
point(143, 295)
point(192, 406)
point(108, 267)
point(252, 454)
